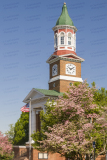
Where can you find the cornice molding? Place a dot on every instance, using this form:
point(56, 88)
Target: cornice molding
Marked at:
point(36, 99)
point(64, 27)
point(41, 99)
point(67, 78)
point(65, 58)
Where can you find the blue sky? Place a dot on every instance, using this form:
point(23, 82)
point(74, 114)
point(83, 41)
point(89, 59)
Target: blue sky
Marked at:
point(27, 41)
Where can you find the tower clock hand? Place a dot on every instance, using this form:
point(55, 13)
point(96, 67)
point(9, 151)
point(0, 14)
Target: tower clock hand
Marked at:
point(71, 68)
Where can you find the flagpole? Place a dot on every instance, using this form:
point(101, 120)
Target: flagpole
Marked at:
point(30, 129)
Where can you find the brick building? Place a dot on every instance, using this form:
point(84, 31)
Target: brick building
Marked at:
point(65, 68)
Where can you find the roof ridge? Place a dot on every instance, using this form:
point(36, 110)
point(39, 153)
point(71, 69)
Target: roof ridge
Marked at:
point(49, 92)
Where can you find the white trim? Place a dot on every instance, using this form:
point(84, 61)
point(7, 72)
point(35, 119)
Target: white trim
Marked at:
point(64, 27)
point(62, 32)
point(66, 48)
point(62, 57)
point(51, 57)
point(60, 39)
point(26, 99)
point(56, 34)
point(71, 55)
point(68, 78)
point(65, 59)
point(22, 146)
point(75, 41)
point(71, 39)
point(37, 99)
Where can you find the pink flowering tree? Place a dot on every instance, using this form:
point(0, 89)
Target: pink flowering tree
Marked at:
point(5, 148)
point(70, 126)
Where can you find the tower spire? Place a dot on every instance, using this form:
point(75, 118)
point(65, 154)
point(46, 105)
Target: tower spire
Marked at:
point(64, 33)
point(64, 18)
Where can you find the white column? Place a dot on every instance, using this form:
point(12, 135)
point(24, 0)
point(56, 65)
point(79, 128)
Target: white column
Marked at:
point(33, 120)
point(30, 129)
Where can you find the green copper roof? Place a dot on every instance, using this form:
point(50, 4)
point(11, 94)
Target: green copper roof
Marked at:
point(64, 18)
point(49, 92)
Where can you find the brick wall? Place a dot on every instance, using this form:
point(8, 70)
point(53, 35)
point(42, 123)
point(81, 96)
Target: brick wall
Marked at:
point(101, 157)
point(61, 65)
point(57, 86)
point(34, 153)
point(63, 68)
point(62, 85)
point(20, 151)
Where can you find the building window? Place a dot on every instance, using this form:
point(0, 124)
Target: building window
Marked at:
point(70, 84)
point(62, 38)
point(54, 85)
point(56, 40)
point(42, 155)
point(75, 40)
point(69, 38)
point(54, 70)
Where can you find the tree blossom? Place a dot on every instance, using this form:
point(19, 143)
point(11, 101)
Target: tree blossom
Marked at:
point(5, 146)
point(72, 133)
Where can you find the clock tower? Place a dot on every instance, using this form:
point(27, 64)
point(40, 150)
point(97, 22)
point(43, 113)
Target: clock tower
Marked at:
point(65, 65)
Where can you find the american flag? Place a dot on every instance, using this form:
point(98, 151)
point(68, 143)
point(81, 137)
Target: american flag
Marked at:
point(25, 108)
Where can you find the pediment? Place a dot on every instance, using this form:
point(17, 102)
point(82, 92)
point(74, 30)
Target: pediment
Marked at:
point(72, 56)
point(69, 57)
point(33, 94)
point(52, 57)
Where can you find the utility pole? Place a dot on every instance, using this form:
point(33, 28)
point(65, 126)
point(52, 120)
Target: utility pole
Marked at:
point(30, 129)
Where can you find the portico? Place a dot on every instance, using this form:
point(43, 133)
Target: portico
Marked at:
point(39, 98)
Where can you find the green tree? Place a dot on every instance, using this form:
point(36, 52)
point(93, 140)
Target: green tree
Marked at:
point(66, 127)
point(10, 132)
point(100, 96)
point(21, 129)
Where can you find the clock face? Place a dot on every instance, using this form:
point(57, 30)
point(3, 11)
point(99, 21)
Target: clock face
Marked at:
point(70, 69)
point(54, 70)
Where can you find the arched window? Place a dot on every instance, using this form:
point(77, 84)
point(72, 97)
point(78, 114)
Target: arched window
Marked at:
point(56, 40)
point(69, 38)
point(62, 38)
point(74, 40)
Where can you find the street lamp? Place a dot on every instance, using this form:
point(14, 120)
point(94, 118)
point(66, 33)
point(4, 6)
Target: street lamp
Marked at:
point(94, 149)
